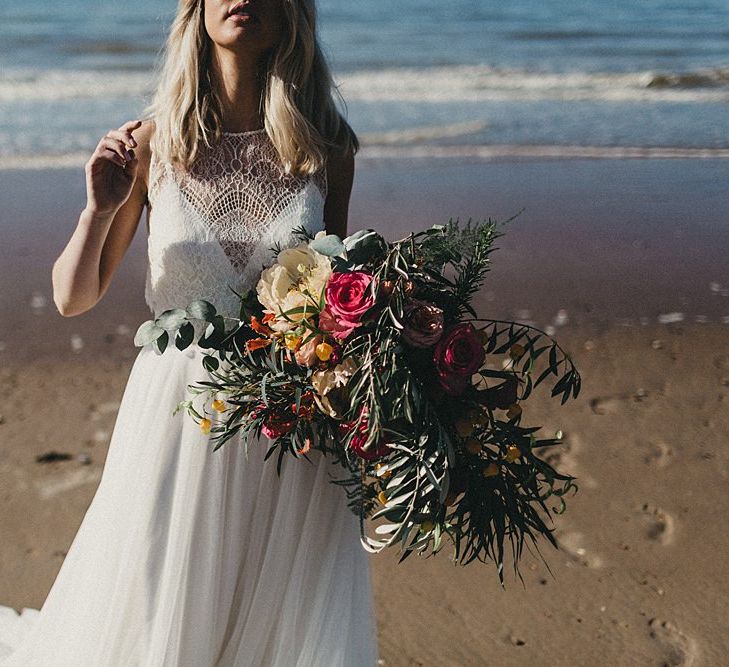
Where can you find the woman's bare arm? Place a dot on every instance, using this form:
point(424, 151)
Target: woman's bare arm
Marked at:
point(340, 176)
point(116, 184)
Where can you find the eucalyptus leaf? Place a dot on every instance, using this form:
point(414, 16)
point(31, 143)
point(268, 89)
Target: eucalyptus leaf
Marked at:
point(210, 363)
point(330, 245)
point(201, 310)
point(160, 345)
point(171, 320)
point(147, 333)
point(185, 336)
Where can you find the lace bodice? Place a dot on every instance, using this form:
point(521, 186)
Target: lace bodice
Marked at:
point(214, 225)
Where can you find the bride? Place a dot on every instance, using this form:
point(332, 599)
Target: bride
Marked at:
point(188, 556)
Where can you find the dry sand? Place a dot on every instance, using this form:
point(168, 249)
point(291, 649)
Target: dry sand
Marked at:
point(642, 576)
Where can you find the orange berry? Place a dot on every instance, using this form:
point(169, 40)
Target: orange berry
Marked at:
point(205, 425)
point(382, 497)
point(426, 526)
point(473, 446)
point(512, 453)
point(514, 411)
point(517, 351)
point(464, 427)
point(219, 405)
point(324, 351)
point(490, 470)
point(481, 418)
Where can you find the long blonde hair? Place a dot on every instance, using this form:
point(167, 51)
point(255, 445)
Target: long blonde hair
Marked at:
point(301, 115)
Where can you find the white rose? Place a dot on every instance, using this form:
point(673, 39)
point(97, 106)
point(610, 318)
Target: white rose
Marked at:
point(273, 287)
point(318, 276)
point(297, 260)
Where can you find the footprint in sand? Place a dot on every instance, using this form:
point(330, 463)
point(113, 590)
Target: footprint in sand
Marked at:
point(722, 362)
point(610, 405)
point(659, 454)
point(678, 649)
point(659, 525)
point(607, 405)
point(572, 544)
point(564, 458)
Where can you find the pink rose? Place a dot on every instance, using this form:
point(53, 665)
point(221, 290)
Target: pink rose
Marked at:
point(306, 354)
point(458, 355)
point(339, 329)
point(349, 297)
point(423, 323)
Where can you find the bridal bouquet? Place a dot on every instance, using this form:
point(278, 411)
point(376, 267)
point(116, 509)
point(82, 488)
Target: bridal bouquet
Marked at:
point(371, 352)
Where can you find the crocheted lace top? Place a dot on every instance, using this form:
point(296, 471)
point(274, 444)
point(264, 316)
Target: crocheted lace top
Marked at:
point(213, 226)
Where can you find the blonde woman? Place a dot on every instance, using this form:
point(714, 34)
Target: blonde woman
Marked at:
point(188, 556)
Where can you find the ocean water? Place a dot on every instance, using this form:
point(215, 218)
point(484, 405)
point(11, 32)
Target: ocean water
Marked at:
point(475, 78)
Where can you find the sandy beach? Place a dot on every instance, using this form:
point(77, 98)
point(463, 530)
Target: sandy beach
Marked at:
point(625, 260)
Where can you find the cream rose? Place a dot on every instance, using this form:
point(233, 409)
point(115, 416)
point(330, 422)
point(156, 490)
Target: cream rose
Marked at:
point(297, 280)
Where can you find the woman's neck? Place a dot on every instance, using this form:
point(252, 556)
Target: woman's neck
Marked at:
point(240, 91)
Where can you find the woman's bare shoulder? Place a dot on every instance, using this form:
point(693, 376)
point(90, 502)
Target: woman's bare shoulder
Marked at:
point(143, 136)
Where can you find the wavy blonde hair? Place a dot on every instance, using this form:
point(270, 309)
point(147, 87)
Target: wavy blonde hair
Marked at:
point(301, 115)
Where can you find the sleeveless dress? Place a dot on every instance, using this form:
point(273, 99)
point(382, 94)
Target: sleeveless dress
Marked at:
point(185, 556)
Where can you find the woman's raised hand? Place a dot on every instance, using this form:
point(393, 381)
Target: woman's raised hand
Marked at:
point(111, 170)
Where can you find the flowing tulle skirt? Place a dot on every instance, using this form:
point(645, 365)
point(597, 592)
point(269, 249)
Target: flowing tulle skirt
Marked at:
point(192, 557)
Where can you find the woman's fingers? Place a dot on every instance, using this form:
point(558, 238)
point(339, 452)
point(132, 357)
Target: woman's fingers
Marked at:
point(124, 136)
point(131, 125)
point(117, 146)
point(128, 128)
point(112, 156)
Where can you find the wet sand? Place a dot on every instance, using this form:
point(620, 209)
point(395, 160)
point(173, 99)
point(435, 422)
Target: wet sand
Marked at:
point(630, 252)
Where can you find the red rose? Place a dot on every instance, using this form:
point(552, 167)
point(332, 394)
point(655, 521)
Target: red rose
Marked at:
point(458, 355)
point(356, 444)
point(274, 426)
point(349, 297)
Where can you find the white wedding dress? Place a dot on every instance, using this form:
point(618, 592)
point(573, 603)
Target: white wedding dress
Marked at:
point(189, 557)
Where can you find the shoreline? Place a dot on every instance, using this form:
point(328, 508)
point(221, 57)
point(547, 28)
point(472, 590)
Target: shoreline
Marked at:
point(414, 153)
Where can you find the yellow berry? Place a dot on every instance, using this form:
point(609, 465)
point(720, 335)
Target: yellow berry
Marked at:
point(427, 526)
point(205, 425)
point(491, 470)
point(481, 418)
point(473, 446)
point(382, 497)
point(324, 351)
point(219, 405)
point(464, 427)
point(517, 351)
point(512, 453)
point(513, 411)
point(293, 342)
